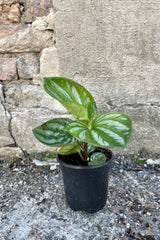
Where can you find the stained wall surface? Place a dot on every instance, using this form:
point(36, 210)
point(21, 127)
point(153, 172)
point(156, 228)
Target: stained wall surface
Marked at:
point(111, 47)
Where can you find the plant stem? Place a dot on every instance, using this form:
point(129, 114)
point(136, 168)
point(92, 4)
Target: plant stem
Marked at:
point(85, 151)
point(80, 144)
point(81, 156)
point(84, 148)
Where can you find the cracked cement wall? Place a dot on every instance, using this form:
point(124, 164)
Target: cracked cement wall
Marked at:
point(111, 47)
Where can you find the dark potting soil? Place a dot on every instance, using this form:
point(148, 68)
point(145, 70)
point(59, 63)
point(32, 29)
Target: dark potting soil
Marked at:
point(75, 159)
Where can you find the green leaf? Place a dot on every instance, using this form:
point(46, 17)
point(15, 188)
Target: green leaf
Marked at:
point(90, 148)
point(54, 133)
point(52, 155)
point(69, 149)
point(97, 158)
point(74, 97)
point(111, 130)
point(78, 111)
point(136, 155)
point(140, 161)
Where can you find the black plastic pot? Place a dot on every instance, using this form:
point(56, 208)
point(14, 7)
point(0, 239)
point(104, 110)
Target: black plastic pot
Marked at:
point(85, 187)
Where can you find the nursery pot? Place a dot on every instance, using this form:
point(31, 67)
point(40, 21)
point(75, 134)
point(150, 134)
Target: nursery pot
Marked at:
point(85, 187)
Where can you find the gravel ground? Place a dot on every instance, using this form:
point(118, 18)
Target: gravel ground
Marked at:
point(32, 204)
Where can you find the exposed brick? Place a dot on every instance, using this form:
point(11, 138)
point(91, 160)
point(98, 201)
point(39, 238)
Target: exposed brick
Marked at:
point(36, 8)
point(7, 32)
point(10, 13)
point(27, 65)
point(14, 13)
point(26, 40)
point(8, 69)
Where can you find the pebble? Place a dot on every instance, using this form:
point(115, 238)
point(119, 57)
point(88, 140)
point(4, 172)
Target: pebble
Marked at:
point(149, 214)
point(43, 163)
point(54, 167)
point(41, 210)
point(15, 170)
point(143, 175)
point(151, 161)
point(127, 225)
point(154, 219)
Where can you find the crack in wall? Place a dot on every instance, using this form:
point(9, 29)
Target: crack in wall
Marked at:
point(2, 100)
point(9, 114)
point(134, 105)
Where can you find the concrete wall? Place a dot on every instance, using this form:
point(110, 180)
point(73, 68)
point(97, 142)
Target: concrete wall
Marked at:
point(111, 47)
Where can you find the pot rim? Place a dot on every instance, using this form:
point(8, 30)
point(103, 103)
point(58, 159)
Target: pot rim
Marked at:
point(84, 167)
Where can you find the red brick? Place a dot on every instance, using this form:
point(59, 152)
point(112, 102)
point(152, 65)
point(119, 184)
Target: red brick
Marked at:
point(8, 69)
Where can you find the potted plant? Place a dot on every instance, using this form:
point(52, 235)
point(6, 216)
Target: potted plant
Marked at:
point(84, 142)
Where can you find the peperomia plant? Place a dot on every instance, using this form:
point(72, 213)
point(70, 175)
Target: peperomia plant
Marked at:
point(87, 131)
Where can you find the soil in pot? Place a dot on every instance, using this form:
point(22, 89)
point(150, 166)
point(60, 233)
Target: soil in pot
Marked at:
point(75, 159)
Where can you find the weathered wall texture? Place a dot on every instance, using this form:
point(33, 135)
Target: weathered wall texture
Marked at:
point(27, 53)
point(111, 47)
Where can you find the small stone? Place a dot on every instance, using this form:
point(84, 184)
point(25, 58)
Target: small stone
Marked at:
point(42, 190)
point(54, 167)
point(144, 211)
point(14, 13)
point(9, 13)
point(41, 210)
point(15, 170)
point(45, 163)
point(154, 219)
point(8, 69)
point(41, 202)
point(149, 214)
point(40, 163)
point(49, 62)
point(155, 161)
point(122, 220)
point(36, 8)
point(32, 195)
point(28, 65)
point(128, 226)
point(10, 151)
point(121, 211)
point(142, 175)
